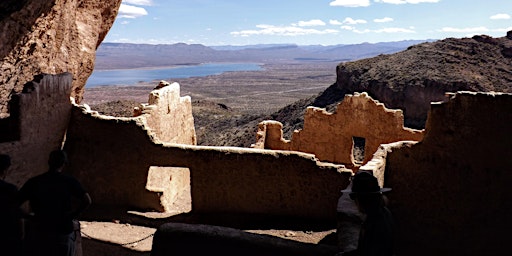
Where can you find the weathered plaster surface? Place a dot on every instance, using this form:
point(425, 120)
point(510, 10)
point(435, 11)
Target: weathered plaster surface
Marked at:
point(451, 190)
point(44, 112)
point(330, 135)
point(169, 116)
point(223, 179)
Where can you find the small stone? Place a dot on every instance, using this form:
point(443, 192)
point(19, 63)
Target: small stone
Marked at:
point(290, 234)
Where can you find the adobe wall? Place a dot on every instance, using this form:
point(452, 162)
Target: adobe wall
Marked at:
point(451, 190)
point(330, 135)
point(223, 179)
point(43, 115)
point(112, 158)
point(169, 116)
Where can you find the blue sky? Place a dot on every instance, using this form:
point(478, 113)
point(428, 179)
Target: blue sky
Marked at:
point(306, 22)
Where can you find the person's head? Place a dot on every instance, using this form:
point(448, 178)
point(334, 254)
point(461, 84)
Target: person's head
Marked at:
point(57, 159)
point(366, 191)
point(5, 162)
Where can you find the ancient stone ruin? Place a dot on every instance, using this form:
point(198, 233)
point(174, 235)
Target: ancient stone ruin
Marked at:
point(450, 181)
point(332, 136)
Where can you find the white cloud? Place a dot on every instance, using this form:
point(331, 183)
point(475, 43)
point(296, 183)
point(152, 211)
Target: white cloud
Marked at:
point(335, 22)
point(131, 12)
point(264, 29)
point(471, 31)
point(407, 1)
point(384, 30)
point(465, 30)
point(500, 16)
point(311, 23)
point(383, 20)
point(350, 3)
point(502, 30)
point(351, 21)
point(395, 30)
point(139, 2)
point(348, 28)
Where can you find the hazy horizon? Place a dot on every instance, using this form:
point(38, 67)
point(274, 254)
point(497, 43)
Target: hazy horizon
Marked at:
point(306, 22)
point(277, 44)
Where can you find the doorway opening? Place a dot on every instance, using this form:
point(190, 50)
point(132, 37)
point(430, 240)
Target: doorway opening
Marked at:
point(358, 149)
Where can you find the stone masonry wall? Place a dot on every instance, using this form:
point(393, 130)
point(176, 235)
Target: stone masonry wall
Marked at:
point(223, 179)
point(450, 190)
point(44, 111)
point(130, 162)
point(330, 135)
point(169, 116)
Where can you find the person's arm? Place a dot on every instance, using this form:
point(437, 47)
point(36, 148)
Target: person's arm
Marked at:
point(85, 202)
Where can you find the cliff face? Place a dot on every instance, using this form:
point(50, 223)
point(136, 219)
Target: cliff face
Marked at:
point(51, 36)
point(411, 79)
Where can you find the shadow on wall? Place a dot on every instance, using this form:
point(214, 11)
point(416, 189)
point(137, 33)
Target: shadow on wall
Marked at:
point(112, 157)
point(37, 125)
point(450, 191)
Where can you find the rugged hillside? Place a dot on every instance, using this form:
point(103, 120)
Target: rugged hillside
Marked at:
point(409, 80)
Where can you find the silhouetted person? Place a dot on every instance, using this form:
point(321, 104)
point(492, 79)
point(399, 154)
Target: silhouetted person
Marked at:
point(376, 234)
point(10, 217)
point(56, 200)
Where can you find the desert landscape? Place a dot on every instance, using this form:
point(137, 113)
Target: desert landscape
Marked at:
point(256, 160)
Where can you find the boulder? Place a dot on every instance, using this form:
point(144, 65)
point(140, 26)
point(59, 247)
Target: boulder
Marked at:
point(52, 37)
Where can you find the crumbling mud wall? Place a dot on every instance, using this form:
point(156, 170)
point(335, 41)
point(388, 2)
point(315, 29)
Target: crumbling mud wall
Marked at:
point(169, 116)
point(451, 190)
point(113, 165)
point(330, 136)
point(42, 116)
point(51, 36)
point(113, 156)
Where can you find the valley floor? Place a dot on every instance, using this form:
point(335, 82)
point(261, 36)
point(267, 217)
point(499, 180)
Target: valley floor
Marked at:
point(252, 92)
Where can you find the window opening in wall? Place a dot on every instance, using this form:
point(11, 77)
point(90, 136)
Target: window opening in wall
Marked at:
point(358, 145)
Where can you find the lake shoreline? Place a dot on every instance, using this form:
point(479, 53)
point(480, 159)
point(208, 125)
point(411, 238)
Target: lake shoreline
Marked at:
point(133, 76)
point(175, 66)
point(247, 91)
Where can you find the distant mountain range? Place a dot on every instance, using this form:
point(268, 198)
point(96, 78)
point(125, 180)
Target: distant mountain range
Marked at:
point(124, 55)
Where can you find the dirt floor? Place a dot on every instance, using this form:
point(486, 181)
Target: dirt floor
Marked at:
point(107, 231)
point(115, 238)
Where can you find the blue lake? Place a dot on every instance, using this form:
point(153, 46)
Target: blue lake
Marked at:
point(134, 76)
